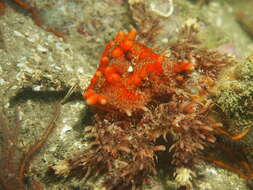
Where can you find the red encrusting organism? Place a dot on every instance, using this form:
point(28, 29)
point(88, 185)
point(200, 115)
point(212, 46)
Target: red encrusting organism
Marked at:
point(127, 72)
point(140, 96)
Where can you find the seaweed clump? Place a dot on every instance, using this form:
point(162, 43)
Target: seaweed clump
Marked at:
point(234, 95)
point(140, 95)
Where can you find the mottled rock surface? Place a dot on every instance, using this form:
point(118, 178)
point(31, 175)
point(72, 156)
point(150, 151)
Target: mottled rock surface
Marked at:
point(37, 69)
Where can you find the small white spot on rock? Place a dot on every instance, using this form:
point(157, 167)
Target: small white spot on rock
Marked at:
point(165, 40)
point(14, 87)
point(7, 105)
point(2, 82)
point(18, 34)
point(33, 38)
point(212, 171)
point(37, 88)
point(80, 70)
point(41, 48)
point(64, 130)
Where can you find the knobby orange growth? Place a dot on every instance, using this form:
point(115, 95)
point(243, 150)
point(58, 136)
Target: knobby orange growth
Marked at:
point(128, 74)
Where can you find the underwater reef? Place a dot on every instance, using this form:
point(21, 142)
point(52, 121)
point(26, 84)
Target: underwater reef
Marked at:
point(121, 94)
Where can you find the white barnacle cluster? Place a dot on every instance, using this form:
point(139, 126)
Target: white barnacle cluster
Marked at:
point(183, 176)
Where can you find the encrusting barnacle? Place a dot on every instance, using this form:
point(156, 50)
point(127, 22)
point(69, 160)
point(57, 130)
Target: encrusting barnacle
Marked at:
point(184, 176)
point(139, 96)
